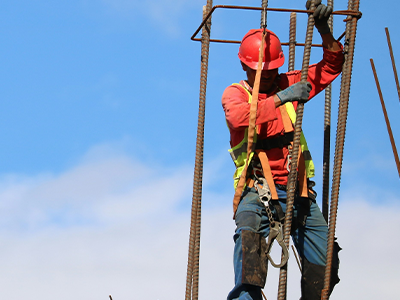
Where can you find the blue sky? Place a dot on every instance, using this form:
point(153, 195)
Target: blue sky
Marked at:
point(98, 127)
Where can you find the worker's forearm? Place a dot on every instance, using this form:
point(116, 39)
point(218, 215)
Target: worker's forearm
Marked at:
point(329, 42)
point(277, 101)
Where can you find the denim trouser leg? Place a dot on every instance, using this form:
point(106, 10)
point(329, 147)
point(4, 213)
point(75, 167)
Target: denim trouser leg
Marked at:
point(309, 240)
point(251, 216)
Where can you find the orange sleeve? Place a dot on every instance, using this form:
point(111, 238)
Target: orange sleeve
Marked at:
point(237, 109)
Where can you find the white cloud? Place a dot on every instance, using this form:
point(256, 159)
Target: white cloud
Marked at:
point(368, 236)
point(112, 225)
point(104, 226)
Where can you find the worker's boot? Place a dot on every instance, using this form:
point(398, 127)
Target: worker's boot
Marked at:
point(312, 280)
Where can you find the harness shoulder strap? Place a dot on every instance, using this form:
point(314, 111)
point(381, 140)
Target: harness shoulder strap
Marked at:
point(287, 122)
point(291, 113)
point(247, 91)
point(267, 173)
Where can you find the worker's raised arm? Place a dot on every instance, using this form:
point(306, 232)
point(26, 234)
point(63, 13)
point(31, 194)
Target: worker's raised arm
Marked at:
point(321, 16)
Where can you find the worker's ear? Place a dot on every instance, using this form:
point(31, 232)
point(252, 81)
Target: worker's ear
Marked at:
point(244, 67)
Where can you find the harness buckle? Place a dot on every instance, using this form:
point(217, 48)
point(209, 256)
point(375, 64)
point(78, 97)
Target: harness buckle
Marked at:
point(264, 193)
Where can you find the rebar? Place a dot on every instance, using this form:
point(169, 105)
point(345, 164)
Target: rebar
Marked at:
point(292, 41)
point(356, 14)
point(297, 259)
point(351, 28)
point(393, 63)
point(389, 129)
point(262, 293)
point(327, 139)
point(192, 279)
point(292, 178)
point(326, 153)
point(264, 4)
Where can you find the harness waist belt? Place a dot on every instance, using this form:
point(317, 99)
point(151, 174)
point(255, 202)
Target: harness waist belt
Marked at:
point(276, 142)
point(280, 187)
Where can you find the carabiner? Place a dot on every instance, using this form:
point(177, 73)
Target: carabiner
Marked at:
point(275, 232)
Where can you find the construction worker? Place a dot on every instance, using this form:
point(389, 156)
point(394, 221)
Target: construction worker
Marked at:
point(278, 97)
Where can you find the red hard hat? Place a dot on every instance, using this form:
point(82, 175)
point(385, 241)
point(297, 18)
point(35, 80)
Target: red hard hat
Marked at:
point(250, 47)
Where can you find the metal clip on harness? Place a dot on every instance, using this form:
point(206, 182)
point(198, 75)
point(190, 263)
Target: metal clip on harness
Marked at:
point(275, 228)
point(275, 232)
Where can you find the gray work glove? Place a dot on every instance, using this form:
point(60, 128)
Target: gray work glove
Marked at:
point(321, 16)
point(299, 91)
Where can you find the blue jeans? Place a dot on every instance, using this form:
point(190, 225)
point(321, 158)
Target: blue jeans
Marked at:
point(310, 240)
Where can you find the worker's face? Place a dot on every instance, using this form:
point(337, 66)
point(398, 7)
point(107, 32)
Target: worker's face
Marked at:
point(267, 78)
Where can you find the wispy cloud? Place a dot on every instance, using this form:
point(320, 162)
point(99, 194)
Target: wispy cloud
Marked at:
point(113, 225)
point(102, 187)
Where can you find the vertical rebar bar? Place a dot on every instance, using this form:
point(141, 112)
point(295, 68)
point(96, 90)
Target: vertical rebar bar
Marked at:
point(264, 4)
point(192, 278)
point(292, 178)
point(351, 28)
point(292, 41)
point(297, 259)
point(393, 63)
point(291, 62)
point(327, 139)
point(389, 129)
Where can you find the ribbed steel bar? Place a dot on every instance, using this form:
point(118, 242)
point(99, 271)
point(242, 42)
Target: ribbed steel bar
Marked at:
point(389, 129)
point(291, 62)
point(297, 258)
point(327, 140)
point(238, 42)
point(292, 178)
point(393, 63)
point(264, 4)
point(192, 278)
point(292, 41)
point(339, 13)
point(351, 28)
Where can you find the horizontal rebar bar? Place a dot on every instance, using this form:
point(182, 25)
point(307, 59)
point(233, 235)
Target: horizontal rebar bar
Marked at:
point(353, 13)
